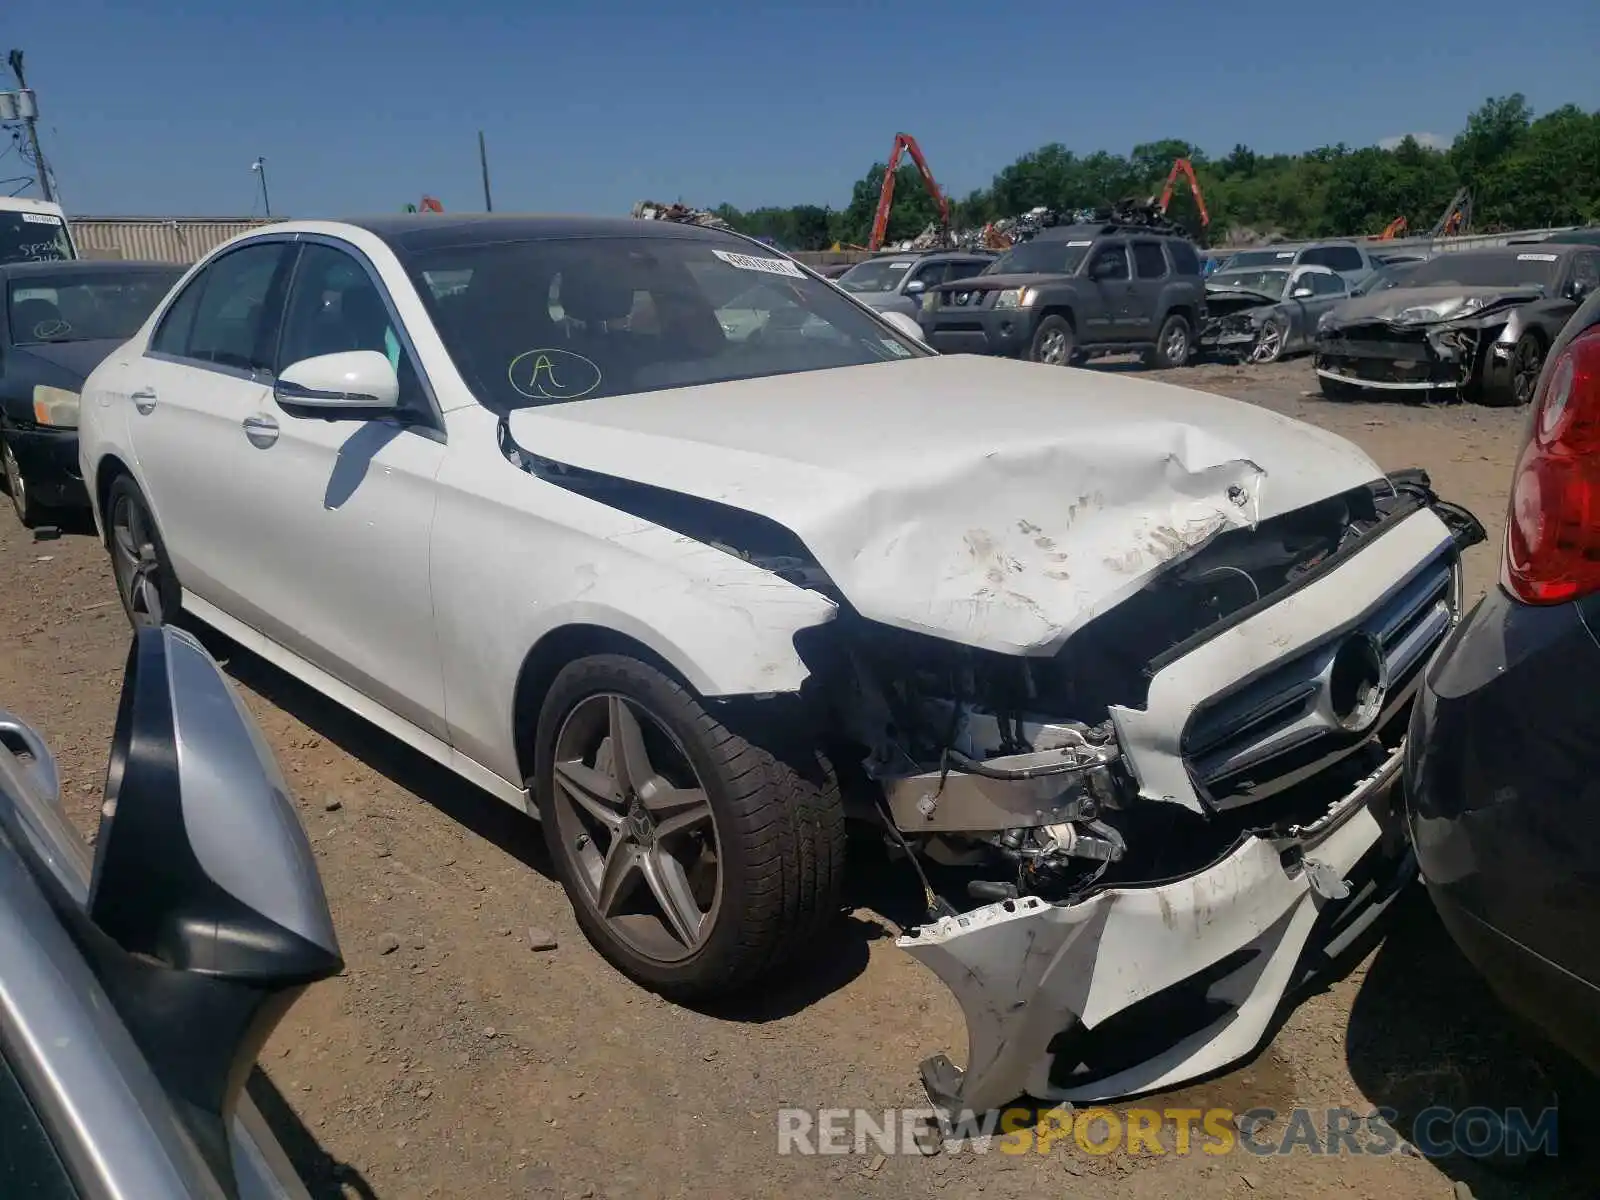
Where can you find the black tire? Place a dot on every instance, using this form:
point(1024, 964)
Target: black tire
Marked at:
point(154, 568)
point(29, 511)
point(1333, 389)
point(778, 824)
point(1522, 375)
point(1054, 342)
point(1175, 342)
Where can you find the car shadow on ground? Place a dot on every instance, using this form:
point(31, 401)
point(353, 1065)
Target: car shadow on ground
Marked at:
point(325, 1177)
point(468, 805)
point(1427, 1034)
point(841, 951)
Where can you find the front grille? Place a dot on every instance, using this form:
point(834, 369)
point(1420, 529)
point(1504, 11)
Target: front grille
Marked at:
point(973, 299)
point(1284, 726)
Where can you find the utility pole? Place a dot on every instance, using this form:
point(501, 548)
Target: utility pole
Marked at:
point(30, 121)
point(483, 162)
point(260, 168)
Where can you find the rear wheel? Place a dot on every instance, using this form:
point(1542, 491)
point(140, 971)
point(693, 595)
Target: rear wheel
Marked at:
point(29, 511)
point(146, 584)
point(697, 861)
point(1053, 342)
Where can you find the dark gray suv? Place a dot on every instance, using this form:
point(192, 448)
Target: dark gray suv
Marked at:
point(1074, 291)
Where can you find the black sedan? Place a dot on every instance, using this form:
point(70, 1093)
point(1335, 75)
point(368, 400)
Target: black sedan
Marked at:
point(57, 321)
point(1503, 762)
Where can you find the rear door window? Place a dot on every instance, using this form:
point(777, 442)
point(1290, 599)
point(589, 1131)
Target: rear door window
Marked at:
point(1184, 258)
point(1110, 263)
point(232, 318)
point(1148, 261)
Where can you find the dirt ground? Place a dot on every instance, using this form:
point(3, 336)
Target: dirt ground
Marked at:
point(453, 1059)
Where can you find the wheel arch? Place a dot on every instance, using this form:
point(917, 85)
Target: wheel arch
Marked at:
point(565, 644)
point(105, 474)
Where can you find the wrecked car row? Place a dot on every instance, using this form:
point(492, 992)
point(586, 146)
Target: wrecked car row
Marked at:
point(703, 559)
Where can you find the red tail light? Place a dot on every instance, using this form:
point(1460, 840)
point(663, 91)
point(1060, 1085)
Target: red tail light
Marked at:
point(1553, 529)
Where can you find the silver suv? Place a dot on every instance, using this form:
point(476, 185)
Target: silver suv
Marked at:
point(137, 987)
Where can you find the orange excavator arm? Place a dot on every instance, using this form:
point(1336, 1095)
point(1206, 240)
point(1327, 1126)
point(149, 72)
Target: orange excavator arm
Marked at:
point(1184, 167)
point(1393, 230)
point(904, 143)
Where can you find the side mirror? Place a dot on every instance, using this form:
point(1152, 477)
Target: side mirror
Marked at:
point(916, 287)
point(1579, 289)
point(351, 383)
point(1301, 293)
point(904, 324)
point(204, 887)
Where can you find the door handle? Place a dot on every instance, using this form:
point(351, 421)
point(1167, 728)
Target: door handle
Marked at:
point(144, 400)
point(262, 431)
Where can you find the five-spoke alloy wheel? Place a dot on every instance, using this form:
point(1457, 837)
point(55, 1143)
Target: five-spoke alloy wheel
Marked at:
point(697, 859)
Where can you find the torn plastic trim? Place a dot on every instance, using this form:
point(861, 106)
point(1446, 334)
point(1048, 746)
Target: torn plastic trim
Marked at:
point(1025, 971)
point(1332, 604)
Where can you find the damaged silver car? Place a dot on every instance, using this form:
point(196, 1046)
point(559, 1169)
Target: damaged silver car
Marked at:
point(1261, 314)
point(1476, 322)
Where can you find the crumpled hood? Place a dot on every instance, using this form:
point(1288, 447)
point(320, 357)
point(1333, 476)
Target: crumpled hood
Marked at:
point(996, 503)
point(1223, 301)
point(1447, 298)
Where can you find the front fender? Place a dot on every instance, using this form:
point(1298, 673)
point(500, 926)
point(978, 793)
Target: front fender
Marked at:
point(515, 558)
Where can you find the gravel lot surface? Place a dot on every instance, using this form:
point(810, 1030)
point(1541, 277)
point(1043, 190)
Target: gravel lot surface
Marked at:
point(452, 1058)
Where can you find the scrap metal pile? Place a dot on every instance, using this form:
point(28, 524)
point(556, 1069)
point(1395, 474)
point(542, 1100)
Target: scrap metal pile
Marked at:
point(1010, 231)
point(651, 210)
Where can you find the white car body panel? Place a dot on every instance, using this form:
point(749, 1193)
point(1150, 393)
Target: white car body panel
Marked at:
point(515, 557)
point(974, 498)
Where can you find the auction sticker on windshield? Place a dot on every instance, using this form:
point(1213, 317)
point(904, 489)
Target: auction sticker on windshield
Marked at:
point(771, 266)
point(1536, 258)
point(40, 219)
point(1088, 243)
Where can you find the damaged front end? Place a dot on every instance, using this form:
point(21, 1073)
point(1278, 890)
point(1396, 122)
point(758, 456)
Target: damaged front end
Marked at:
point(1234, 320)
point(1425, 346)
point(1129, 846)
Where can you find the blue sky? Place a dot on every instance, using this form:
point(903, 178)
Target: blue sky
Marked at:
point(154, 106)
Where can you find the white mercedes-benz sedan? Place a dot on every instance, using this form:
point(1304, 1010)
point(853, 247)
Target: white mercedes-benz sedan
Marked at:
point(648, 530)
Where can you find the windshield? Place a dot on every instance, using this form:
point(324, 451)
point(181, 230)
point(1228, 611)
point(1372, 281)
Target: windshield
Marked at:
point(879, 275)
point(33, 237)
point(79, 308)
point(551, 321)
point(1271, 283)
point(1529, 268)
point(1261, 258)
point(1053, 256)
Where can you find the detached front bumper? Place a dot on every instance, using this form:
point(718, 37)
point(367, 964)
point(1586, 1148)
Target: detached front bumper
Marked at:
point(48, 460)
point(1062, 1002)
